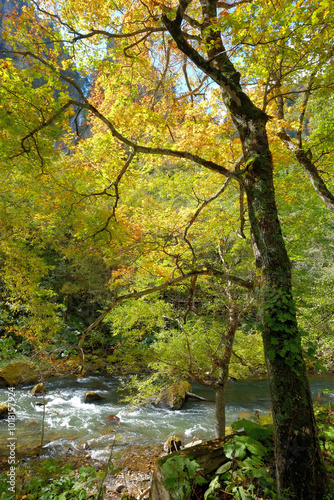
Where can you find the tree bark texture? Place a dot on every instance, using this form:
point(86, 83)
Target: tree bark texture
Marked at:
point(220, 418)
point(300, 472)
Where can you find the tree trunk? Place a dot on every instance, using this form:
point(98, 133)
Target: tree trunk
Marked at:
point(299, 468)
point(220, 420)
point(300, 471)
point(222, 379)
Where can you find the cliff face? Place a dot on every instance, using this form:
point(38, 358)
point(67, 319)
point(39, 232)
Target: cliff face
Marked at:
point(6, 7)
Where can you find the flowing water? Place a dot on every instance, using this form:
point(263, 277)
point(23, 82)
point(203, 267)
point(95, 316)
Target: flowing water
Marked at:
point(71, 423)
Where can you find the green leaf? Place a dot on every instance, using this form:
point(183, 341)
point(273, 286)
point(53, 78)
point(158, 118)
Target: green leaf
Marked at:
point(224, 468)
point(214, 485)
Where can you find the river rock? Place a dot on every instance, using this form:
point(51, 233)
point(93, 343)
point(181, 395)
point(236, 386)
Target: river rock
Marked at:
point(38, 389)
point(3, 410)
point(174, 397)
point(19, 372)
point(32, 423)
point(92, 397)
point(119, 487)
point(85, 446)
point(112, 418)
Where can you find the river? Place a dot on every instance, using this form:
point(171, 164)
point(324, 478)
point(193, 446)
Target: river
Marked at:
point(72, 423)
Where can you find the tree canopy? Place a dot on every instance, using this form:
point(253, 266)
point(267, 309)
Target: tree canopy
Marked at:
point(155, 144)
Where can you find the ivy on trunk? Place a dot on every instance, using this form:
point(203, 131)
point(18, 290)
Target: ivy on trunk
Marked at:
point(300, 471)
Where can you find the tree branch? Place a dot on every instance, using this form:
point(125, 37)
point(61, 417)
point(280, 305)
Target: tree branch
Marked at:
point(305, 161)
point(45, 124)
point(119, 178)
point(173, 282)
point(226, 6)
point(136, 147)
point(199, 210)
point(145, 31)
point(303, 111)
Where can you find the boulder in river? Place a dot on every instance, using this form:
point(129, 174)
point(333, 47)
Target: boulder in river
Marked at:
point(112, 418)
point(174, 397)
point(18, 373)
point(38, 389)
point(3, 410)
point(92, 397)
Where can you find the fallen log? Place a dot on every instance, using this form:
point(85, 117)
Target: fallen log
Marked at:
point(209, 456)
point(195, 396)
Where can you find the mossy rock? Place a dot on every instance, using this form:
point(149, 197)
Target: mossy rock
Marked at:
point(3, 410)
point(18, 373)
point(92, 397)
point(38, 389)
point(174, 397)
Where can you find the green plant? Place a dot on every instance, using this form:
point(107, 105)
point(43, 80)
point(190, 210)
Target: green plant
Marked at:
point(110, 468)
point(181, 475)
point(7, 348)
point(245, 475)
point(69, 485)
point(4, 493)
point(48, 480)
point(325, 421)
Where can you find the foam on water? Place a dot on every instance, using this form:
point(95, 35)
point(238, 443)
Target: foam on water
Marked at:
point(69, 421)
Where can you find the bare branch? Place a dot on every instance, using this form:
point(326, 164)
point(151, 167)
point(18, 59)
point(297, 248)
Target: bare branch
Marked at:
point(114, 184)
point(159, 151)
point(146, 31)
point(119, 178)
point(164, 72)
point(134, 44)
point(191, 298)
point(94, 32)
point(199, 210)
point(304, 106)
point(45, 124)
point(192, 92)
point(226, 6)
point(291, 92)
point(54, 16)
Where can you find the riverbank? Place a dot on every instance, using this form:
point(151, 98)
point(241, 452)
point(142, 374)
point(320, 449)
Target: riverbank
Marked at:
point(130, 474)
point(70, 423)
point(133, 480)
